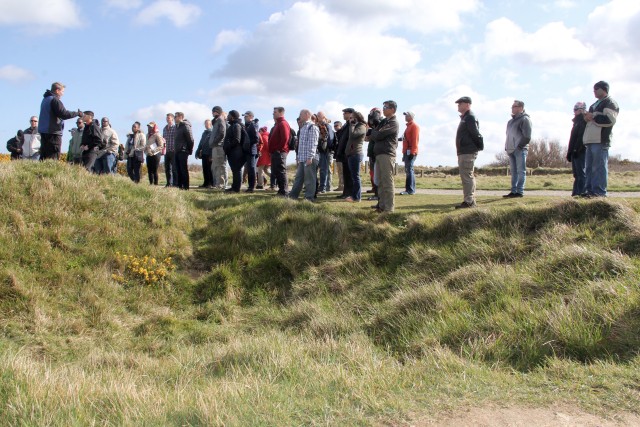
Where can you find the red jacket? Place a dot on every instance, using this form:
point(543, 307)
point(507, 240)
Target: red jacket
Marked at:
point(411, 138)
point(279, 138)
point(264, 159)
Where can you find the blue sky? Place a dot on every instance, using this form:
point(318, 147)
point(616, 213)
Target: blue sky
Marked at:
point(139, 59)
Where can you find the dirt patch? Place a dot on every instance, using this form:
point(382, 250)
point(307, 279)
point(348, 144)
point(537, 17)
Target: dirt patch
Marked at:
point(516, 417)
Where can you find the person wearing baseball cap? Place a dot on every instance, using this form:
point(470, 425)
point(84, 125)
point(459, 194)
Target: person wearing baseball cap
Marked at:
point(410, 141)
point(468, 142)
point(576, 150)
point(601, 118)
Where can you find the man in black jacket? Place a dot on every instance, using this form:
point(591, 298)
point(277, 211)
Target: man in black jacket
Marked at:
point(184, 147)
point(14, 145)
point(51, 122)
point(576, 152)
point(468, 142)
point(91, 140)
point(342, 136)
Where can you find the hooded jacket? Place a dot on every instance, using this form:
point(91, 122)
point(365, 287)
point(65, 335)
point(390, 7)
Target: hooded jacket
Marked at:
point(53, 114)
point(14, 146)
point(184, 137)
point(218, 132)
point(518, 133)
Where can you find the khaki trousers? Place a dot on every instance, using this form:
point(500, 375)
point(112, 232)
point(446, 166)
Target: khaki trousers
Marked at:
point(466, 163)
point(219, 167)
point(384, 167)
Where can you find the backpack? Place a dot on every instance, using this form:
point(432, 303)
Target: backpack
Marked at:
point(293, 141)
point(245, 141)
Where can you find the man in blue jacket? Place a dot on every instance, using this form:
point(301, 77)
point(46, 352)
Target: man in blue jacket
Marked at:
point(51, 122)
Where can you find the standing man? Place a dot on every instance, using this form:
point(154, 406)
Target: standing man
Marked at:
point(251, 151)
point(518, 138)
point(385, 140)
point(468, 142)
point(169, 135)
point(306, 158)
point(204, 152)
point(325, 154)
point(600, 119)
point(341, 157)
point(279, 148)
point(183, 148)
point(51, 122)
point(410, 141)
point(106, 161)
point(218, 158)
point(91, 140)
point(576, 150)
point(31, 147)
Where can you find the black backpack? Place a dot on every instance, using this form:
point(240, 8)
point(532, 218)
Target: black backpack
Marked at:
point(245, 142)
point(293, 141)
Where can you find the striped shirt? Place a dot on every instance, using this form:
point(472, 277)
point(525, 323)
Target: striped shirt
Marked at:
point(308, 142)
point(169, 135)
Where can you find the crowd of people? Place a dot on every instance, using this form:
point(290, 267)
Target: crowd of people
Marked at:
point(257, 154)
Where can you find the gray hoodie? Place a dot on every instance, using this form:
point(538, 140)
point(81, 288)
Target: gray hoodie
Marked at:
point(518, 133)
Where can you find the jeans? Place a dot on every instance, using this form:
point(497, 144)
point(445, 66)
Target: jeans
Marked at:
point(410, 182)
point(518, 165)
point(597, 168)
point(466, 164)
point(250, 167)
point(305, 174)
point(354, 162)
point(579, 173)
point(182, 169)
point(170, 168)
point(279, 171)
point(104, 165)
point(325, 171)
point(347, 180)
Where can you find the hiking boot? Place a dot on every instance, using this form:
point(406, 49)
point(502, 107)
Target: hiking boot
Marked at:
point(465, 205)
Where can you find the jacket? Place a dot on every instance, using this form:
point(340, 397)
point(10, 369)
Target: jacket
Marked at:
point(279, 137)
point(385, 137)
point(32, 142)
point(74, 145)
point(135, 142)
point(184, 137)
point(233, 138)
point(605, 113)
point(218, 131)
point(411, 139)
point(157, 139)
point(264, 159)
point(356, 139)
point(254, 136)
point(110, 141)
point(53, 114)
point(14, 146)
point(342, 137)
point(518, 133)
point(92, 136)
point(204, 150)
point(468, 137)
point(576, 145)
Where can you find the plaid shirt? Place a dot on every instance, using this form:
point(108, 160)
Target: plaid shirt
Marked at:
point(169, 135)
point(308, 142)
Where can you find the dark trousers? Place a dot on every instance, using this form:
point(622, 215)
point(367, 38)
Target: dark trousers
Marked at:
point(170, 168)
point(206, 171)
point(133, 168)
point(279, 170)
point(152, 168)
point(89, 159)
point(50, 146)
point(182, 169)
point(250, 167)
point(347, 179)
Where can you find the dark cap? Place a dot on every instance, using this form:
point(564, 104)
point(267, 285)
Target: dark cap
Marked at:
point(464, 99)
point(217, 109)
point(233, 114)
point(20, 134)
point(602, 85)
point(248, 113)
point(349, 110)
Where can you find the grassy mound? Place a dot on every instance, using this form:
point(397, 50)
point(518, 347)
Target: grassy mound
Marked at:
point(125, 304)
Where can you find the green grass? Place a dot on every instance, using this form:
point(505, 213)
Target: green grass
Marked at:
point(286, 313)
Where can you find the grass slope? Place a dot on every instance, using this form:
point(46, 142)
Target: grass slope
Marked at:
point(287, 313)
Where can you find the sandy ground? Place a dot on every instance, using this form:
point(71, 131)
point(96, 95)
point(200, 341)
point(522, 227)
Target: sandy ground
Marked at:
point(529, 417)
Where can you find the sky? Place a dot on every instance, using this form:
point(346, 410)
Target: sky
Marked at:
point(136, 60)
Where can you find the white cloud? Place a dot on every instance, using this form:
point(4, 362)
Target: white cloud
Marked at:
point(553, 43)
point(237, 88)
point(38, 16)
point(124, 4)
point(15, 74)
point(228, 38)
point(180, 14)
point(193, 111)
point(565, 4)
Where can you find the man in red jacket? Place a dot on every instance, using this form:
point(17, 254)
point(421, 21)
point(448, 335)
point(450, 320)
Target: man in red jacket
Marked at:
point(410, 142)
point(279, 148)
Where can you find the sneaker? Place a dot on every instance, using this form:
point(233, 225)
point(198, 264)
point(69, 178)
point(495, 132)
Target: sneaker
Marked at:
point(373, 198)
point(465, 205)
point(404, 193)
